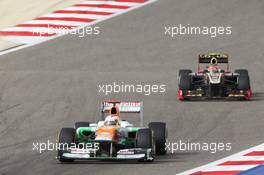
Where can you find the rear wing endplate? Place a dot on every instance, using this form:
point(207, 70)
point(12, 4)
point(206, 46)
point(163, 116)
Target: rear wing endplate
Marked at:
point(124, 107)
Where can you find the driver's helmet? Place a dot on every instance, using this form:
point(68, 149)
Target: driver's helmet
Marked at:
point(213, 69)
point(111, 121)
point(114, 111)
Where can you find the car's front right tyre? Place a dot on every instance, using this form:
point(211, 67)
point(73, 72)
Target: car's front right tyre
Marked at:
point(66, 138)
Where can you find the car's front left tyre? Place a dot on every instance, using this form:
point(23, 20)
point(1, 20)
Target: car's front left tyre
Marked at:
point(160, 135)
point(145, 140)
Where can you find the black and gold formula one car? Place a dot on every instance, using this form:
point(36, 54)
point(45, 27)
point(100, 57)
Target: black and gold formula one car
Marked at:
point(212, 80)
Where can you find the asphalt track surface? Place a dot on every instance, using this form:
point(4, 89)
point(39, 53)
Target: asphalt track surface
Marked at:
point(54, 84)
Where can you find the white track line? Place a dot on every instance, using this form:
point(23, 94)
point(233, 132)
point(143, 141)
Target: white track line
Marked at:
point(248, 158)
point(67, 23)
point(235, 157)
point(94, 9)
point(230, 168)
point(74, 15)
point(28, 41)
point(28, 29)
point(110, 3)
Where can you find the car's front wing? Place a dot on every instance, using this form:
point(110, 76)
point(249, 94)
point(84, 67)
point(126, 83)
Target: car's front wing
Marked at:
point(123, 154)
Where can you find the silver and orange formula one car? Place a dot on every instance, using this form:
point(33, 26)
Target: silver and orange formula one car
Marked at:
point(214, 80)
point(113, 138)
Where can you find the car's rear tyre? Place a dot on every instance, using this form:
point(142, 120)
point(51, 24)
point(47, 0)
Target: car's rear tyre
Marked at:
point(81, 124)
point(243, 79)
point(66, 138)
point(160, 135)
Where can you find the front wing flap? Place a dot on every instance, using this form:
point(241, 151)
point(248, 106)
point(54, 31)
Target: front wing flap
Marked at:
point(123, 154)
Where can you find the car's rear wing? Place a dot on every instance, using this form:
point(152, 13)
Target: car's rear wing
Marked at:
point(213, 58)
point(209, 58)
point(124, 107)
